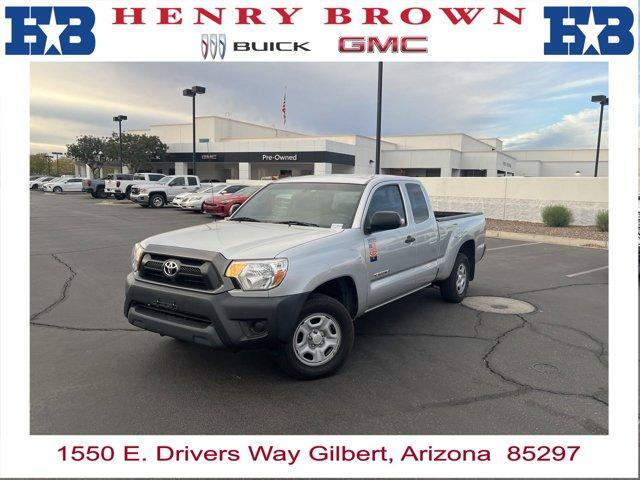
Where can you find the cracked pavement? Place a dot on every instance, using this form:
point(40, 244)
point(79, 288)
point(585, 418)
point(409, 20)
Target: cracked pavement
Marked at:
point(419, 365)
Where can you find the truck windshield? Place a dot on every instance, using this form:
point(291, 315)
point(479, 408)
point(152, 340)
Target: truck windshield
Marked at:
point(312, 204)
point(165, 179)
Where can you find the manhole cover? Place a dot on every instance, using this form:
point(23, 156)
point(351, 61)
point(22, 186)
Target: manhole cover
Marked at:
point(506, 306)
point(545, 368)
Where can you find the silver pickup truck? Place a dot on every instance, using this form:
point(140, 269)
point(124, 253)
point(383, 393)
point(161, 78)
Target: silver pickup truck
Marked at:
point(297, 263)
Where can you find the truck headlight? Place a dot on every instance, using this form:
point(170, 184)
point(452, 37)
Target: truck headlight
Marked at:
point(136, 256)
point(258, 274)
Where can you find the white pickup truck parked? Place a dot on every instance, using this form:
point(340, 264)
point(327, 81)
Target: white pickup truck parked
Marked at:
point(298, 262)
point(160, 193)
point(120, 185)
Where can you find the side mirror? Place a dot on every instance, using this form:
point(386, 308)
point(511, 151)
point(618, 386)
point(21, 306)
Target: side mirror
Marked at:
point(233, 209)
point(381, 221)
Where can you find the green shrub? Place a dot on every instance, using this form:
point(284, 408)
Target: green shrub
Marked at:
point(602, 220)
point(556, 216)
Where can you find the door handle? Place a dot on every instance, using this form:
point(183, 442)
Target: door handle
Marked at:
point(409, 239)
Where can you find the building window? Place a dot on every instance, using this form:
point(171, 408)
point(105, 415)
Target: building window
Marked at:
point(473, 173)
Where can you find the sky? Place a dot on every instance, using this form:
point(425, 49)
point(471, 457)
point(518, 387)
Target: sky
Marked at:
point(527, 105)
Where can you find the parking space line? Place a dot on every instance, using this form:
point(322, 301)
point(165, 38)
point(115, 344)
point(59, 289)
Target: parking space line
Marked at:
point(513, 246)
point(571, 275)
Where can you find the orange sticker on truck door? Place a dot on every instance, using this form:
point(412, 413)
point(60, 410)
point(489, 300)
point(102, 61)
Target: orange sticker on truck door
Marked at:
point(373, 250)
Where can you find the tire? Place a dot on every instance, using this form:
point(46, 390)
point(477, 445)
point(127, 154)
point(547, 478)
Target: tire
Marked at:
point(57, 190)
point(331, 321)
point(119, 196)
point(100, 193)
point(156, 200)
point(94, 194)
point(34, 186)
point(455, 287)
point(127, 193)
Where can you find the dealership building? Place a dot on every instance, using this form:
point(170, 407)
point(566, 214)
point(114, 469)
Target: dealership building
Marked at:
point(231, 149)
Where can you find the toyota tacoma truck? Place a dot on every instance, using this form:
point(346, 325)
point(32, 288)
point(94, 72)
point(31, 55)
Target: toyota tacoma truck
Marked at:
point(295, 265)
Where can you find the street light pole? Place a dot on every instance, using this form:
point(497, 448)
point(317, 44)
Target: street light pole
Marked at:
point(602, 100)
point(57, 154)
point(379, 119)
point(119, 119)
point(192, 92)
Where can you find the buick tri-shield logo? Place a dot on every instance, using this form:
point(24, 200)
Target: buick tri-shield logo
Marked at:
point(170, 268)
point(213, 44)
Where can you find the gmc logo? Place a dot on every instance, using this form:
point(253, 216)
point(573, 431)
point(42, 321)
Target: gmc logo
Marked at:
point(388, 45)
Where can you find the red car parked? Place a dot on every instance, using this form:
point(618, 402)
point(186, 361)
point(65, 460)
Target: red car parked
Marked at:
point(219, 205)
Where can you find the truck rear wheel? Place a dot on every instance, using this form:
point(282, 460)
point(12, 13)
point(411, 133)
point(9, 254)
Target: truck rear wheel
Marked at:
point(320, 341)
point(119, 196)
point(454, 288)
point(156, 200)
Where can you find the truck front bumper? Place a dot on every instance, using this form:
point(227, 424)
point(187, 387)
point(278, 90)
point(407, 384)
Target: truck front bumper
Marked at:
point(218, 320)
point(141, 199)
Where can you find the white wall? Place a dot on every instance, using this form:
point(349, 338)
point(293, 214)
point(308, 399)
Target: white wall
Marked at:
point(519, 198)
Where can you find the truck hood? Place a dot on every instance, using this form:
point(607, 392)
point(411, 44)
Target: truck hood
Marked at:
point(241, 240)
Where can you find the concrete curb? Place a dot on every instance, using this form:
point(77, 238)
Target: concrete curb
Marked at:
point(530, 237)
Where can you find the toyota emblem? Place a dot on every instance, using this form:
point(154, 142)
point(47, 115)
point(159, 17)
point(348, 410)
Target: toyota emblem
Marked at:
point(170, 268)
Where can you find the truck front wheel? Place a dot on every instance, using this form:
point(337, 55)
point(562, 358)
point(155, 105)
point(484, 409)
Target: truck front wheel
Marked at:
point(454, 288)
point(156, 200)
point(320, 341)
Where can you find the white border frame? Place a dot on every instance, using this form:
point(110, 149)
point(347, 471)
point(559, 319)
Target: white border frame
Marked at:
point(613, 455)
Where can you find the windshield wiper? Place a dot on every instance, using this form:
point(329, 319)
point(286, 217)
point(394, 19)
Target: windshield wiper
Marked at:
point(244, 219)
point(302, 224)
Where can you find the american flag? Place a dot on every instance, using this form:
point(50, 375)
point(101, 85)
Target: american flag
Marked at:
point(284, 107)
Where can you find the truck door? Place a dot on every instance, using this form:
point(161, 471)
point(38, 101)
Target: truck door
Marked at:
point(389, 254)
point(426, 234)
point(176, 187)
point(193, 184)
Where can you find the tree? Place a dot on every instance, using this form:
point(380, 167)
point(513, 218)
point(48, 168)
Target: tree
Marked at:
point(44, 164)
point(88, 150)
point(138, 151)
point(39, 164)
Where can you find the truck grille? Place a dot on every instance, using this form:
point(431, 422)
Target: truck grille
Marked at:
point(191, 273)
point(135, 190)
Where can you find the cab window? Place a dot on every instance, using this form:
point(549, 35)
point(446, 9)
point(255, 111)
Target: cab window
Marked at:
point(386, 199)
point(419, 206)
point(193, 181)
point(177, 182)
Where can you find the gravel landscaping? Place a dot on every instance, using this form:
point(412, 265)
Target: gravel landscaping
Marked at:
point(574, 231)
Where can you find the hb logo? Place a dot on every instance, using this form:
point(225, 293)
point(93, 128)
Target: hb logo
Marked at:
point(50, 31)
point(589, 30)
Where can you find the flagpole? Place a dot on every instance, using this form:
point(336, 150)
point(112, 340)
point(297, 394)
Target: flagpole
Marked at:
point(379, 118)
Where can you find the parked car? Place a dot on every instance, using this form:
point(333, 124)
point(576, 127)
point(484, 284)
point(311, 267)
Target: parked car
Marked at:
point(220, 205)
point(177, 200)
point(297, 263)
point(195, 201)
point(120, 185)
point(162, 192)
point(36, 183)
point(60, 185)
point(54, 179)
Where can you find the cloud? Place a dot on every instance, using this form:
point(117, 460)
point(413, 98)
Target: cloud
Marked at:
point(577, 130)
point(483, 99)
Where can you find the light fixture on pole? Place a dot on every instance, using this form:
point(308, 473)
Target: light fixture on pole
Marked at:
point(119, 119)
point(602, 100)
point(57, 154)
point(48, 157)
point(192, 92)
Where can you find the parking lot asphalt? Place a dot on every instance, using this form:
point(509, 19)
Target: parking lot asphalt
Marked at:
point(419, 365)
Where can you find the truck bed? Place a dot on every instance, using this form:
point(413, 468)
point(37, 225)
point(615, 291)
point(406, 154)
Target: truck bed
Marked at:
point(442, 215)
